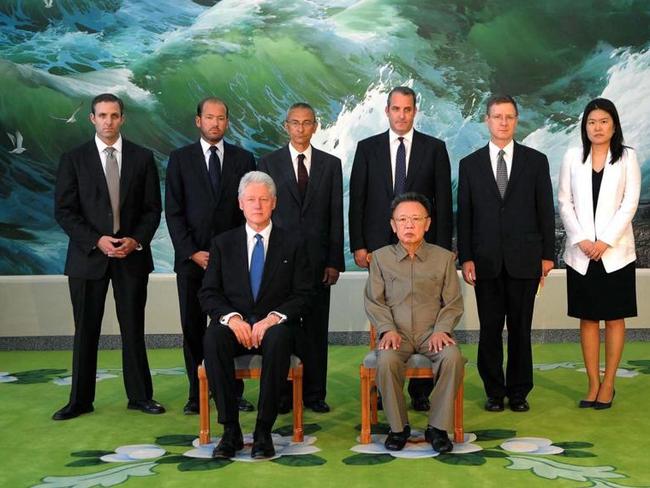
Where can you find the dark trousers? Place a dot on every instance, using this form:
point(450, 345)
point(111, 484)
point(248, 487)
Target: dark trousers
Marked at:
point(312, 346)
point(88, 299)
point(194, 322)
point(221, 348)
point(508, 300)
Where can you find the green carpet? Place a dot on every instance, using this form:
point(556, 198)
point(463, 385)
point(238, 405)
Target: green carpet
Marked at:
point(601, 448)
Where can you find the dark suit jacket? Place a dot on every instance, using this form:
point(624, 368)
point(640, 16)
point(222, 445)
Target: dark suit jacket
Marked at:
point(193, 212)
point(82, 207)
point(319, 220)
point(286, 282)
point(371, 190)
point(517, 231)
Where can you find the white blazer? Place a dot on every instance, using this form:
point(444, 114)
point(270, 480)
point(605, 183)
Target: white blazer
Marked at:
point(617, 203)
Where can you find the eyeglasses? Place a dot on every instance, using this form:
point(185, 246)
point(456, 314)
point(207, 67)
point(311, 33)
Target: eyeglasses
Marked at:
point(305, 124)
point(413, 219)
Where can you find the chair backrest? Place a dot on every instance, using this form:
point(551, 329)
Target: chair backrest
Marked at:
point(373, 337)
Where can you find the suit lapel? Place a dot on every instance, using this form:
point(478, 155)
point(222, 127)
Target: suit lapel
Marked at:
point(516, 170)
point(201, 170)
point(126, 171)
point(241, 253)
point(485, 166)
point(315, 176)
point(285, 164)
point(383, 159)
point(271, 261)
point(97, 170)
point(415, 160)
point(228, 170)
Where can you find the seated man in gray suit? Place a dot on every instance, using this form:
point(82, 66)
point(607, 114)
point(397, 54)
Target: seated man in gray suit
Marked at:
point(414, 300)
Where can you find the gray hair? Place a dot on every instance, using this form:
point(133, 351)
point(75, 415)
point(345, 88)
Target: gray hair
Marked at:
point(256, 177)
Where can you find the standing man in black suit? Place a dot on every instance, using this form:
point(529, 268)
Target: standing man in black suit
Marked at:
point(107, 199)
point(201, 202)
point(310, 201)
point(506, 239)
point(386, 165)
point(255, 289)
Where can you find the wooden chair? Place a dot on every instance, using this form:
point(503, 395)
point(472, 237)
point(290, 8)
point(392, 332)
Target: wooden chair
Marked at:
point(250, 367)
point(417, 366)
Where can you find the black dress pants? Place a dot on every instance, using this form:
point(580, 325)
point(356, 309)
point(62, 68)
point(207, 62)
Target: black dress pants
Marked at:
point(510, 301)
point(221, 348)
point(88, 300)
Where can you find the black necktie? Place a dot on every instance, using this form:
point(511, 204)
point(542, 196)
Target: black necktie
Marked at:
point(400, 168)
point(214, 168)
point(303, 177)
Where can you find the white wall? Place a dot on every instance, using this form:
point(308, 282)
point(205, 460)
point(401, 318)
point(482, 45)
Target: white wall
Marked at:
point(40, 306)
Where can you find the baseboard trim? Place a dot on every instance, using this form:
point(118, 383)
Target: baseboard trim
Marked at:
point(165, 341)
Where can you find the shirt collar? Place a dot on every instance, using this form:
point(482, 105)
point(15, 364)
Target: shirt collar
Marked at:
point(294, 153)
point(101, 145)
point(205, 145)
point(508, 149)
point(265, 233)
point(393, 136)
point(401, 253)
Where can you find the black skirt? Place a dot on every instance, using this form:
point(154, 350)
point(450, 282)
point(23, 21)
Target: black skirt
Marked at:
point(600, 295)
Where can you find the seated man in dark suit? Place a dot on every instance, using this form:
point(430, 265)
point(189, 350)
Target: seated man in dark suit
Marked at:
point(255, 289)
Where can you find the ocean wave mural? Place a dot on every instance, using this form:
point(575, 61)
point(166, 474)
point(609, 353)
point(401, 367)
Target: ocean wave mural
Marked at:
point(342, 56)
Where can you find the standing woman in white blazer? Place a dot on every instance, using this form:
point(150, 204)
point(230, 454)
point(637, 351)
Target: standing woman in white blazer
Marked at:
point(598, 196)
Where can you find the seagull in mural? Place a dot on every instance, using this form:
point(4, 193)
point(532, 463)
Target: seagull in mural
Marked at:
point(72, 119)
point(17, 141)
point(48, 3)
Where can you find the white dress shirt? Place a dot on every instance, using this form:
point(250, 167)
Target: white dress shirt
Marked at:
point(494, 156)
point(294, 159)
point(206, 152)
point(101, 146)
point(393, 139)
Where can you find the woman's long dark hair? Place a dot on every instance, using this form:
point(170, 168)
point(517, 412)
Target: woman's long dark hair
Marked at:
point(616, 145)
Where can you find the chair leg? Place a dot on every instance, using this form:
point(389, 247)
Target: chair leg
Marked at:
point(459, 430)
point(204, 407)
point(365, 405)
point(298, 432)
point(373, 403)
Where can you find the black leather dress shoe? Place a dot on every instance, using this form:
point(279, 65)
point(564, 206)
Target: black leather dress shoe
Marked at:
point(244, 405)
point(231, 442)
point(494, 405)
point(191, 407)
point(586, 403)
point(397, 440)
point(318, 406)
point(146, 406)
point(439, 439)
point(262, 445)
point(420, 404)
point(519, 405)
point(72, 410)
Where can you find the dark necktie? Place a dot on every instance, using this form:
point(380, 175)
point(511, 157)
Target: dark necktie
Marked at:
point(257, 265)
point(502, 173)
point(400, 168)
point(113, 183)
point(303, 177)
point(214, 168)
